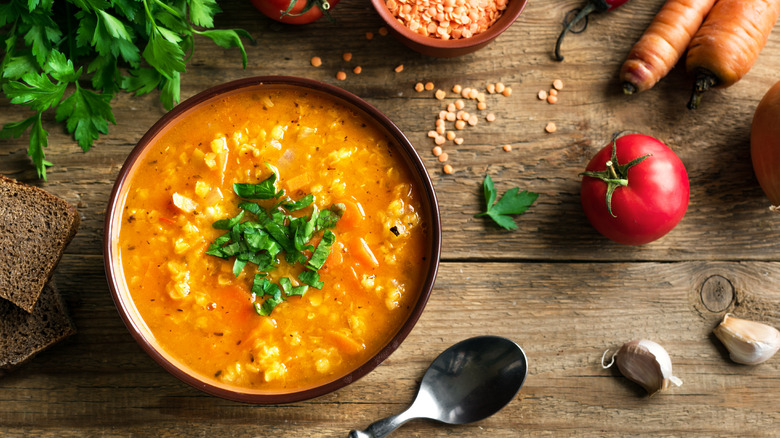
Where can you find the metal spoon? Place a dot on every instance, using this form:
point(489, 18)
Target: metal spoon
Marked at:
point(468, 382)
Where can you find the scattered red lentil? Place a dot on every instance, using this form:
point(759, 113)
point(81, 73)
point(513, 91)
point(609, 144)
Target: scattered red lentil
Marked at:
point(448, 169)
point(452, 107)
point(443, 157)
point(481, 106)
point(447, 19)
point(507, 92)
point(436, 151)
point(499, 87)
point(473, 94)
point(465, 92)
point(429, 86)
point(490, 117)
point(473, 120)
point(369, 35)
point(457, 88)
point(419, 87)
point(341, 76)
point(491, 88)
point(432, 134)
point(542, 95)
point(552, 99)
point(357, 70)
point(440, 94)
point(450, 135)
point(507, 147)
point(464, 115)
point(550, 127)
point(442, 115)
point(480, 97)
point(440, 141)
point(451, 116)
point(316, 61)
point(347, 56)
point(383, 31)
point(458, 140)
point(399, 69)
point(439, 122)
point(557, 84)
point(553, 92)
point(459, 104)
point(460, 124)
point(440, 130)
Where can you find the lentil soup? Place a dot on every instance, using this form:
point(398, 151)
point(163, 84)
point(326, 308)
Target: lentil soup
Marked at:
point(307, 144)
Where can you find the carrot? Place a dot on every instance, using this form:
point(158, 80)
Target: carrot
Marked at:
point(345, 343)
point(298, 181)
point(728, 43)
point(663, 43)
point(353, 216)
point(363, 253)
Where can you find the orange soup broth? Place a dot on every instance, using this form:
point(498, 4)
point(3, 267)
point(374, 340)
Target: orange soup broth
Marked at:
point(203, 315)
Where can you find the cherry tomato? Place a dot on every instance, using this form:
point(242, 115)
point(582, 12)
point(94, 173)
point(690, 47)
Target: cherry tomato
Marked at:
point(295, 11)
point(765, 144)
point(635, 190)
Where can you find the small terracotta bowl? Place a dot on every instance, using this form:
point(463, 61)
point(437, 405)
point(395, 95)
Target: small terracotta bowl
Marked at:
point(131, 315)
point(449, 48)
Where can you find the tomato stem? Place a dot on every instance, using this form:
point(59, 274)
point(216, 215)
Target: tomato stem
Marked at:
point(615, 175)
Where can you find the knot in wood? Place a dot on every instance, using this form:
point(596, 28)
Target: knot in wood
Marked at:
point(717, 293)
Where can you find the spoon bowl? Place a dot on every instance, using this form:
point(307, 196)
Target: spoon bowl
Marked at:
point(468, 382)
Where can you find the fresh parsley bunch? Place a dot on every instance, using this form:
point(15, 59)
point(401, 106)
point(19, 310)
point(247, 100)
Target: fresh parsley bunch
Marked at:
point(73, 56)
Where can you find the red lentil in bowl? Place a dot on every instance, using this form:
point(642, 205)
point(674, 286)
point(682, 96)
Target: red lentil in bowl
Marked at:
point(448, 28)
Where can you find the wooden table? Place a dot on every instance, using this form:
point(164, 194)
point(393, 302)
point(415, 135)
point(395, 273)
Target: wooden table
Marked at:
point(555, 285)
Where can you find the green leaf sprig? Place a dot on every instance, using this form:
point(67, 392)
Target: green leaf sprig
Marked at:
point(513, 202)
point(260, 240)
point(73, 56)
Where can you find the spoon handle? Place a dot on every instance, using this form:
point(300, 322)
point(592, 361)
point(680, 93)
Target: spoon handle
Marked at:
point(383, 427)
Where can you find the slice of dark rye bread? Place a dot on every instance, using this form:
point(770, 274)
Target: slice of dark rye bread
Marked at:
point(23, 335)
point(35, 228)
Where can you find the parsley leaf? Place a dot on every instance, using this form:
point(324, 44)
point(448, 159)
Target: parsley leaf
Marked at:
point(264, 190)
point(513, 202)
point(311, 278)
point(87, 115)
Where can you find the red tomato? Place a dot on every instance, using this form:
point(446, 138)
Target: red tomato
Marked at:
point(294, 11)
point(649, 190)
point(765, 144)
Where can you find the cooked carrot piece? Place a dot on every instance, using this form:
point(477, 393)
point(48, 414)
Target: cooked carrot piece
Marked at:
point(344, 343)
point(352, 217)
point(298, 181)
point(362, 252)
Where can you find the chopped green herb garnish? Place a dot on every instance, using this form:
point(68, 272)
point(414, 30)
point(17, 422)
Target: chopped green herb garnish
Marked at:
point(323, 250)
point(311, 278)
point(264, 190)
point(289, 289)
point(258, 235)
point(299, 204)
point(511, 203)
point(328, 218)
point(226, 224)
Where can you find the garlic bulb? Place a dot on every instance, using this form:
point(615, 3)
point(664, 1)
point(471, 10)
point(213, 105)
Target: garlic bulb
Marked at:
point(646, 363)
point(748, 342)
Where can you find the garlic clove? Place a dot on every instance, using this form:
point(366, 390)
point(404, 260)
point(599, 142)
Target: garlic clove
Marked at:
point(748, 342)
point(648, 364)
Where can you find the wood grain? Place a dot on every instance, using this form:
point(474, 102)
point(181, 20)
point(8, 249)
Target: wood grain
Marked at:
point(554, 285)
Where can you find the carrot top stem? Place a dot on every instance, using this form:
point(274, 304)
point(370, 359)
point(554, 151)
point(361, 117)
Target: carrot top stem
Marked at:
point(588, 9)
point(704, 81)
point(629, 88)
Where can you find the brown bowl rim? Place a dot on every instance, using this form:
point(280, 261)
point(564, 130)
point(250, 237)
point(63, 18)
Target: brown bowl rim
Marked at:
point(485, 37)
point(412, 159)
